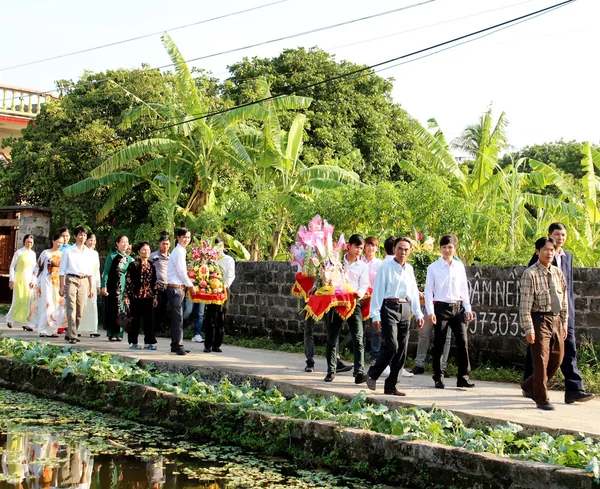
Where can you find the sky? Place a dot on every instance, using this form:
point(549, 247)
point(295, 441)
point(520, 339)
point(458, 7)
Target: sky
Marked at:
point(540, 72)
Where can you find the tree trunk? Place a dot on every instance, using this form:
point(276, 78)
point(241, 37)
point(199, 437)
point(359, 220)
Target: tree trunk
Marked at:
point(276, 243)
point(254, 251)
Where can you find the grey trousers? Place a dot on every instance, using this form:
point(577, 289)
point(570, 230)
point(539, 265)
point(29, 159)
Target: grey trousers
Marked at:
point(176, 298)
point(76, 292)
point(425, 339)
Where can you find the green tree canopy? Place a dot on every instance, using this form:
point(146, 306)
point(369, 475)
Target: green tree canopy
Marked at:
point(355, 112)
point(564, 155)
point(71, 136)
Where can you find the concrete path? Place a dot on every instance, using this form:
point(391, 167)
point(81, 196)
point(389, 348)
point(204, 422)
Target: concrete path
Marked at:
point(490, 400)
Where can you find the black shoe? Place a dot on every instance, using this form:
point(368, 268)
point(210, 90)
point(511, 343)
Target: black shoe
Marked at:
point(464, 383)
point(73, 341)
point(417, 370)
point(360, 379)
point(217, 350)
point(329, 377)
point(79, 334)
point(446, 374)
point(577, 396)
point(67, 338)
point(206, 350)
point(371, 384)
point(181, 352)
point(179, 349)
point(309, 368)
point(546, 406)
point(95, 335)
point(439, 384)
point(342, 367)
point(527, 394)
point(393, 392)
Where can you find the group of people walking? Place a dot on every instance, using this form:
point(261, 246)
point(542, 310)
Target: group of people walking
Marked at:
point(56, 293)
point(546, 315)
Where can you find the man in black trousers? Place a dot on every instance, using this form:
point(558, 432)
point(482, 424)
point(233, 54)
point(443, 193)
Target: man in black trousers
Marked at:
point(395, 296)
point(574, 388)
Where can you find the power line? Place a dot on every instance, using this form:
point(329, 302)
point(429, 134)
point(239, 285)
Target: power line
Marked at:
point(486, 34)
point(116, 43)
point(427, 26)
point(311, 31)
point(270, 41)
point(496, 27)
point(447, 44)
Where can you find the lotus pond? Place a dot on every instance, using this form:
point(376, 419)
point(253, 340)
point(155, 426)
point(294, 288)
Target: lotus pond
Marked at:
point(48, 444)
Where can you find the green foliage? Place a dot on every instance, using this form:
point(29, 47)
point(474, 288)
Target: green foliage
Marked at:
point(434, 425)
point(70, 137)
point(563, 155)
point(353, 113)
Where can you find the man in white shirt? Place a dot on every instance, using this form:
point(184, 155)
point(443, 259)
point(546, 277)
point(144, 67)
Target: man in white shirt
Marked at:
point(214, 314)
point(178, 282)
point(357, 274)
point(395, 296)
point(449, 306)
point(75, 272)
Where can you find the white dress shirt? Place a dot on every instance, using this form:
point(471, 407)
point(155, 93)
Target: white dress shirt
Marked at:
point(373, 266)
point(357, 274)
point(177, 268)
point(388, 258)
point(394, 281)
point(228, 265)
point(558, 257)
point(446, 283)
point(77, 262)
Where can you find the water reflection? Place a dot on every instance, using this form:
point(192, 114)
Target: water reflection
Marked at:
point(49, 444)
point(37, 461)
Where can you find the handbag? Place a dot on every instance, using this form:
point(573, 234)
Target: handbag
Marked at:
point(124, 320)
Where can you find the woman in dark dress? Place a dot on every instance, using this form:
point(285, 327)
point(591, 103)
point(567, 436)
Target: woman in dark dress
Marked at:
point(141, 297)
point(113, 287)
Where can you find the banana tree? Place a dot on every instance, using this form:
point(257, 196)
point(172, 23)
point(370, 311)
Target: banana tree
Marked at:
point(192, 147)
point(278, 168)
point(581, 204)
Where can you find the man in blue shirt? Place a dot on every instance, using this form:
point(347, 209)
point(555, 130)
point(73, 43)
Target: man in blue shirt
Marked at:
point(395, 296)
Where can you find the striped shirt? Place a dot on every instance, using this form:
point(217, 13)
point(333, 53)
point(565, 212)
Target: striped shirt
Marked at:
point(535, 294)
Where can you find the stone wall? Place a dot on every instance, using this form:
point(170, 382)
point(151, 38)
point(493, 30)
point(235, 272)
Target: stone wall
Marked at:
point(262, 305)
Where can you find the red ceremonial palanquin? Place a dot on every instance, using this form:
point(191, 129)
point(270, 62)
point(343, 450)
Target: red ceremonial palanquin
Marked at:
point(320, 303)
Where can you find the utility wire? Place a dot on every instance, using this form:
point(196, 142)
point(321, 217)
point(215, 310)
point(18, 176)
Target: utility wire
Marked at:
point(270, 41)
point(393, 34)
point(311, 31)
point(116, 43)
point(486, 34)
point(447, 44)
point(508, 23)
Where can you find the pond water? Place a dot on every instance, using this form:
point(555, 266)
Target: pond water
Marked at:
point(48, 444)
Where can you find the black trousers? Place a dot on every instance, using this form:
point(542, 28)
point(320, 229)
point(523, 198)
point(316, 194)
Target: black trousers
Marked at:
point(395, 323)
point(141, 310)
point(214, 323)
point(450, 316)
point(160, 312)
point(334, 323)
point(573, 379)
